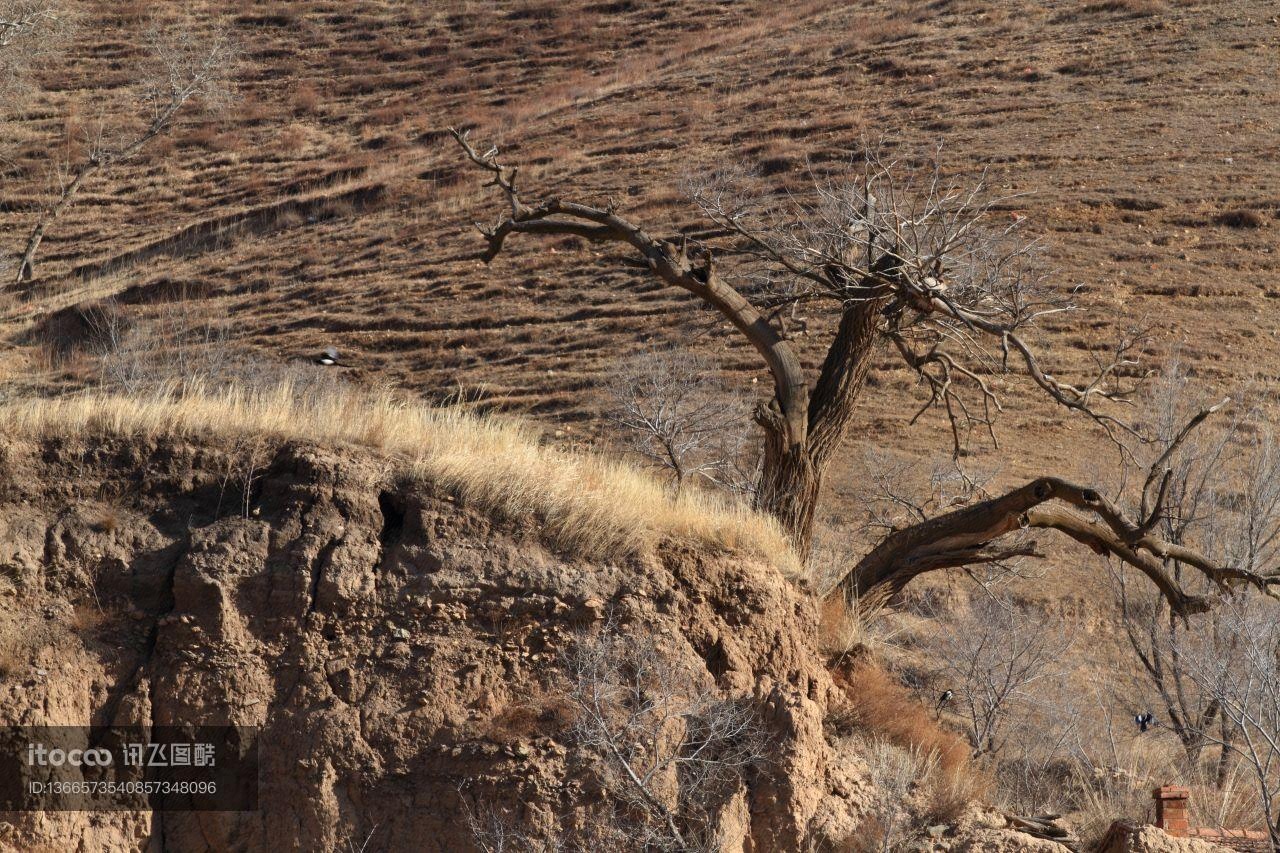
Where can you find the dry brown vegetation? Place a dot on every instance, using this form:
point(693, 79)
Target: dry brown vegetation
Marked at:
point(327, 207)
point(882, 709)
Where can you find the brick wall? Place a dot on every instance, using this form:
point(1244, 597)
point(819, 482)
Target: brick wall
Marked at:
point(1244, 840)
point(1173, 818)
point(1171, 810)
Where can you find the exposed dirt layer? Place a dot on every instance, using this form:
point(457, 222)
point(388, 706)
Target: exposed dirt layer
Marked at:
point(402, 655)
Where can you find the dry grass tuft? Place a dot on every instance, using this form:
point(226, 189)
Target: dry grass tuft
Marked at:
point(107, 522)
point(87, 619)
point(587, 504)
point(853, 627)
point(1132, 8)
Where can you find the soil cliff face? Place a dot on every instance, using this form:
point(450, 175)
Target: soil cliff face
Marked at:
point(400, 653)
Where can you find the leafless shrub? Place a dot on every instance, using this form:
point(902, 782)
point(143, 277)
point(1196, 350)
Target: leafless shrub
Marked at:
point(897, 774)
point(899, 492)
point(353, 844)
point(176, 343)
point(681, 418)
point(495, 831)
point(1239, 668)
point(182, 67)
point(245, 461)
point(992, 662)
point(674, 751)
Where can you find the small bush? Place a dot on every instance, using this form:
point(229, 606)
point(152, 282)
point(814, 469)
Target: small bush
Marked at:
point(899, 776)
point(306, 99)
point(1240, 218)
point(293, 139)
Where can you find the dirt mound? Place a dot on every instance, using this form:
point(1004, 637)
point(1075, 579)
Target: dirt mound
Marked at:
point(402, 654)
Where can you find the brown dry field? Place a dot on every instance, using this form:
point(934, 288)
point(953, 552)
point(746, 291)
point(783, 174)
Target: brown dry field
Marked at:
point(327, 205)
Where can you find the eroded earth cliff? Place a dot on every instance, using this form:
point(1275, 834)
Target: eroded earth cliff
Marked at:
point(400, 653)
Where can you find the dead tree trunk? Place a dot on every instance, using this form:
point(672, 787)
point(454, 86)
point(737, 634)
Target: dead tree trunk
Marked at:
point(27, 266)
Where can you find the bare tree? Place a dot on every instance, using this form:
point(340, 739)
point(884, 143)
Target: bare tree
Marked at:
point(1238, 666)
point(185, 68)
point(1221, 492)
point(876, 247)
point(910, 261)
point(992, 662)
point(679, 417)
point(674, 750)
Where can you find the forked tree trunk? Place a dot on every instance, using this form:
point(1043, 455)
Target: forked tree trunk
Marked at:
point(791, 476)
point(804, 425)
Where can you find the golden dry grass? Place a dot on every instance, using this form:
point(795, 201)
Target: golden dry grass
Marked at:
point(857, 626)
point(1123, 790)
point(588, 504)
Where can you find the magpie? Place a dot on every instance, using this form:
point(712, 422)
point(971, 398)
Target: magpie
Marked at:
point(1144, 720)
point(328, 357)
point(946, 697)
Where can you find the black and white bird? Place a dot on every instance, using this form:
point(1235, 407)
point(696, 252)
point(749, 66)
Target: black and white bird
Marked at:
point(327, 357)
point(947, 696)
point(1144, 721)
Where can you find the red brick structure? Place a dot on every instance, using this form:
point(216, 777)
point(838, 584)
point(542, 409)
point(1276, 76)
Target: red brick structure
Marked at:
point(1172, 817)
point(1171, 810)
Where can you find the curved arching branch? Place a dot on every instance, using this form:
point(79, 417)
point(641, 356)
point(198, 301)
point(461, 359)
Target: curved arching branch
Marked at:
point(1051, 503)
point(670, 261)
